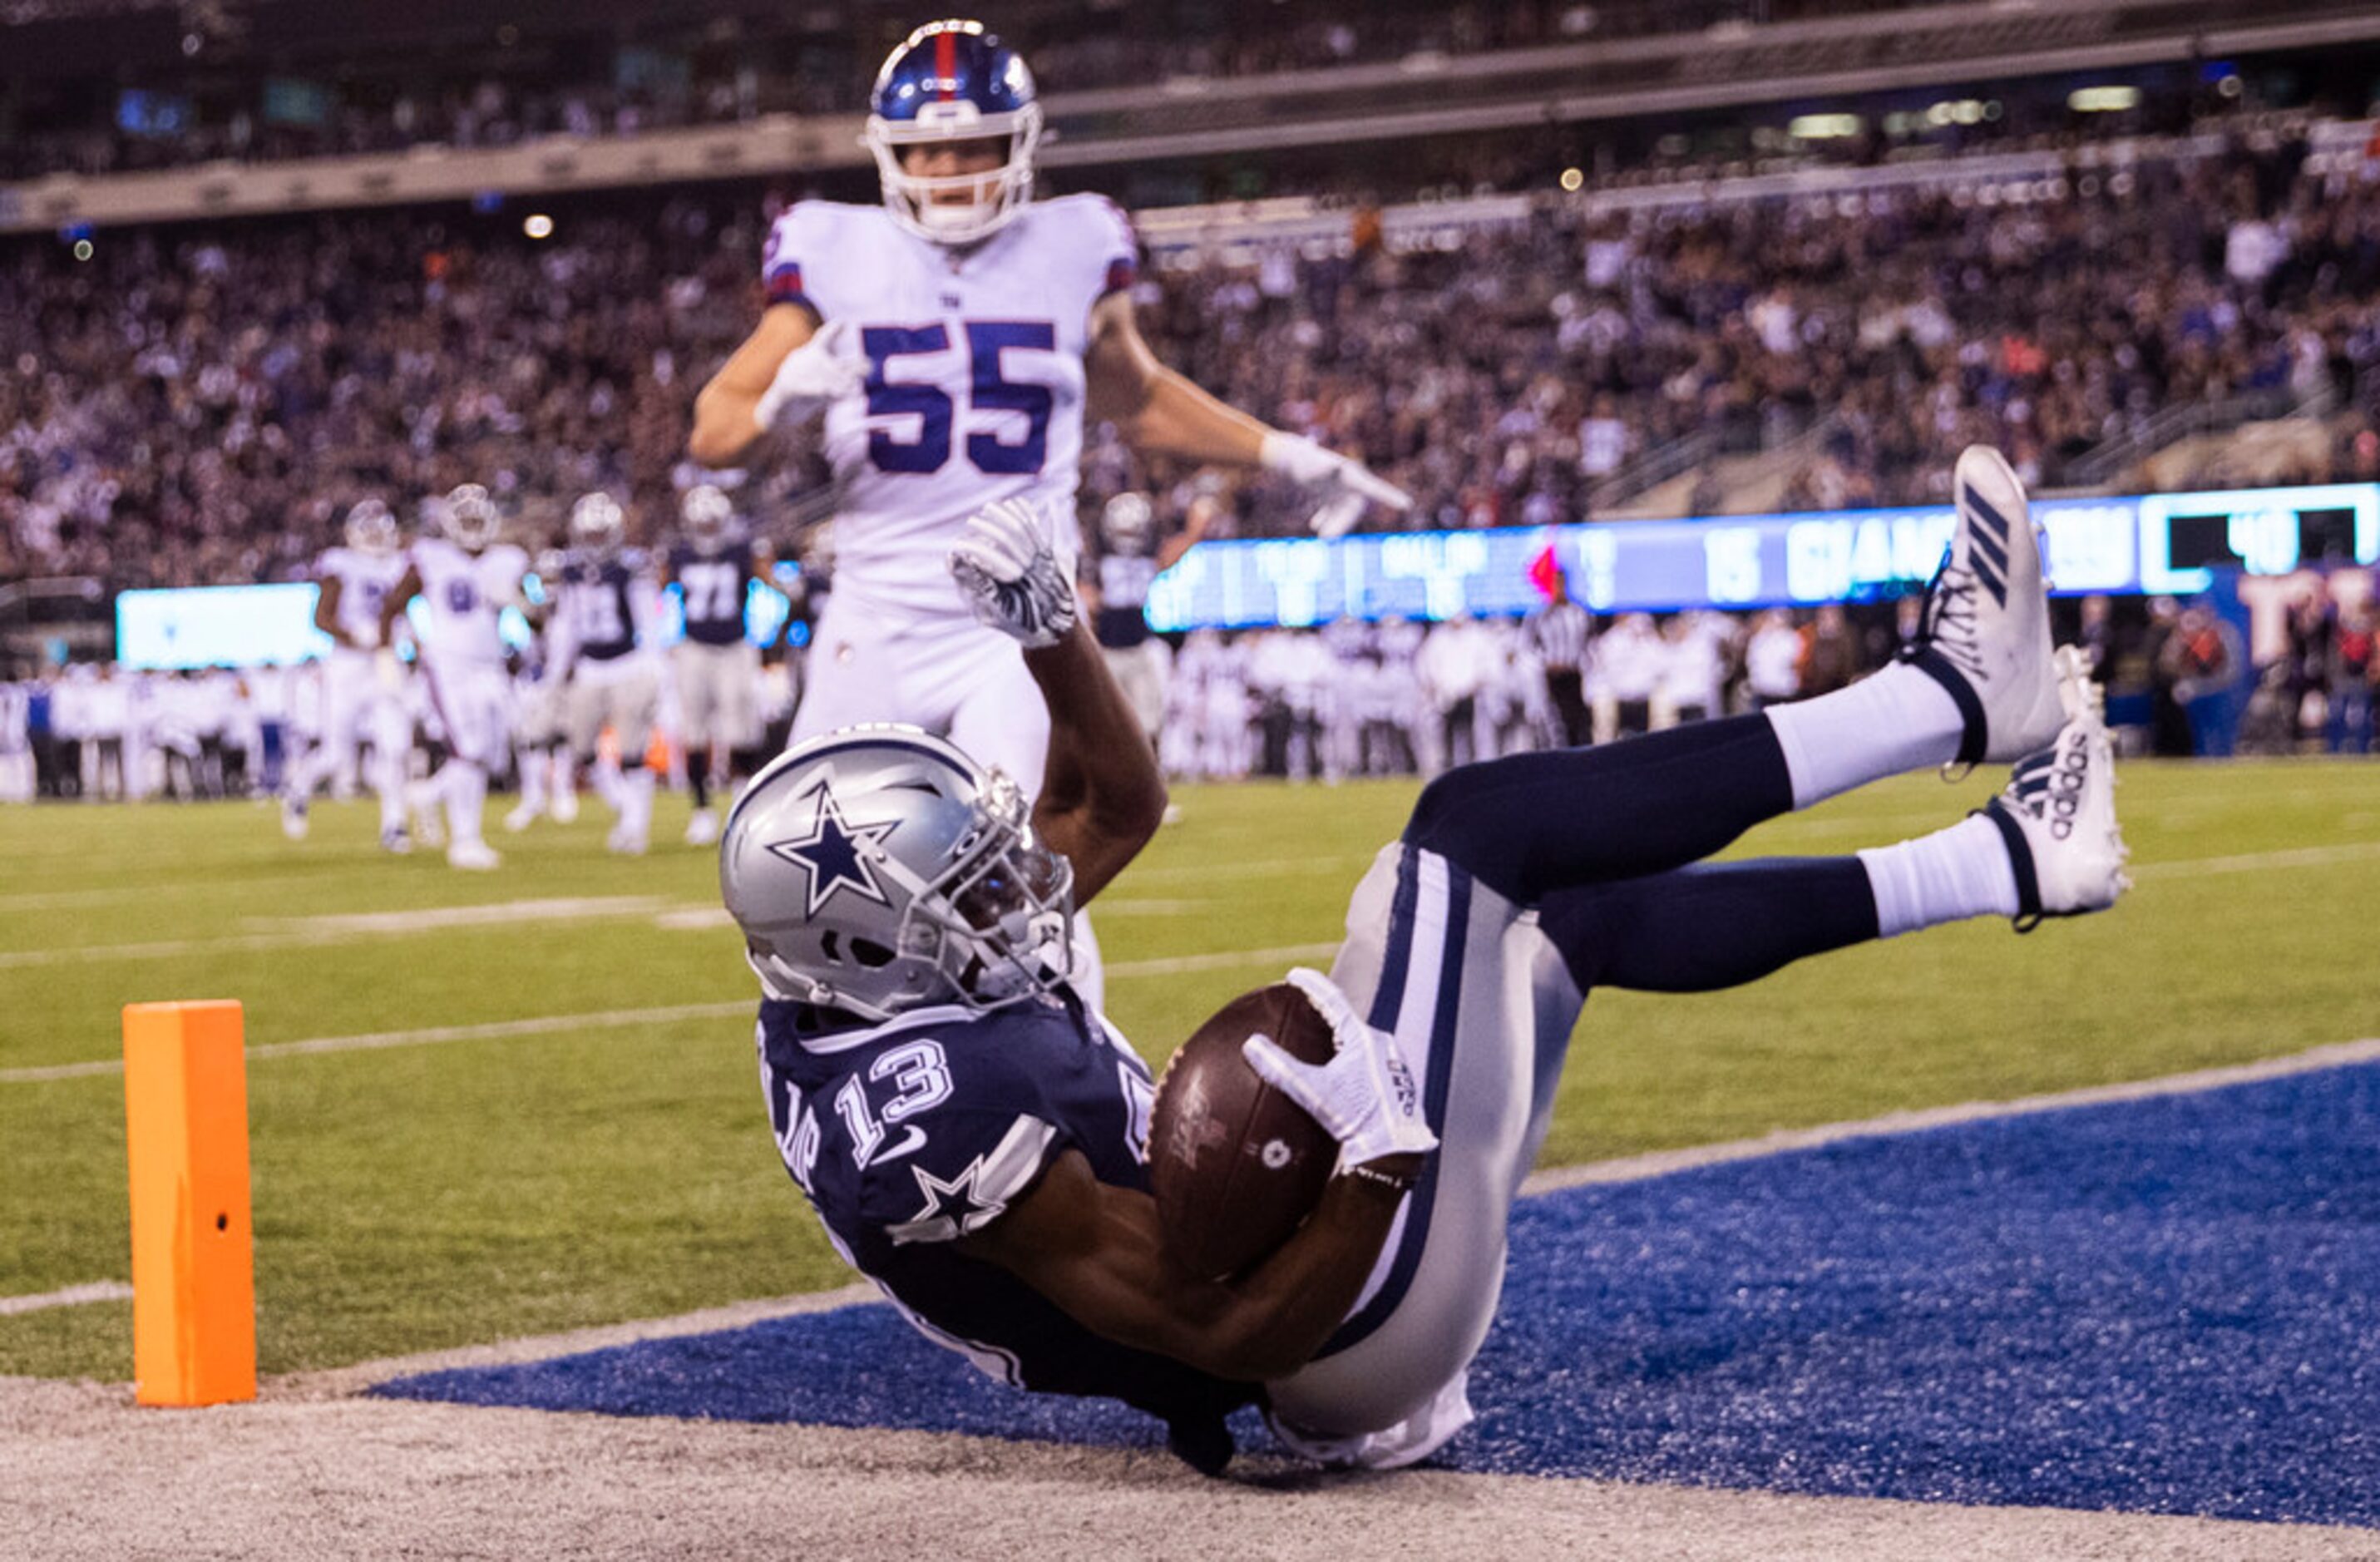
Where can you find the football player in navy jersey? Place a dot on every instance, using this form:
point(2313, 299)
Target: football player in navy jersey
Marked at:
point(973, 1137)
point(718, 666)
point(605, 655)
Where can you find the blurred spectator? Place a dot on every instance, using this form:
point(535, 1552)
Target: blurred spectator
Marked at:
point(2202, 660)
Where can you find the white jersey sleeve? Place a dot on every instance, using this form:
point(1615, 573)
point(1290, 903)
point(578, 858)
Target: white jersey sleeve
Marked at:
point(801, 244)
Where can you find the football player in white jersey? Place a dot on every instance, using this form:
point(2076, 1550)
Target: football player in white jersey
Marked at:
point(604, 615)
point(465, 579)
point(953, 339)
point(358, 705)
point(718, 666)
point(539, 747)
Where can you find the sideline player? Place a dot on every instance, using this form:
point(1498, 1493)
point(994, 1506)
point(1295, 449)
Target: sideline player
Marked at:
point(954, 338)
point(541, 752)
point(606, 616)
point(718, 666)
point(358, 701)
point(466, 579)
point(1130, 559)
point(975, 1139)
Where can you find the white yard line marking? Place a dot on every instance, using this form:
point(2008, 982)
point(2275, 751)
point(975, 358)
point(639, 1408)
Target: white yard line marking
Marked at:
point(45, 901)
point(309, 931)
point(430, 917)
point(73, 1296)
point(1659, 1163)
point(694, 918)
point(373, 1040)
point(2259, 862)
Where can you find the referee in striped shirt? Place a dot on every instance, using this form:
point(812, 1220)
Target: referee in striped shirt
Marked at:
point(1559, 633)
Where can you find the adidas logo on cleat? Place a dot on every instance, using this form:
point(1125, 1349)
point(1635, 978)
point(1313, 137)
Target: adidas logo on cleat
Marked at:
point(2057, 818)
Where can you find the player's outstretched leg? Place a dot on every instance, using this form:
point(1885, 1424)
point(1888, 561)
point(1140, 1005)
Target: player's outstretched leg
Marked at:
point(2048, 846)
point(1980, 681)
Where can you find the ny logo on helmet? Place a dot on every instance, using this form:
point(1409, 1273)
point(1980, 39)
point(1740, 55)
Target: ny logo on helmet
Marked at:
point(836, 855)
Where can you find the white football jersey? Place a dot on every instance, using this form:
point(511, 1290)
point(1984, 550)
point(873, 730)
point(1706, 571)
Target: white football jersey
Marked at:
point(975, 376)
point(365, 579)
point(466, 594)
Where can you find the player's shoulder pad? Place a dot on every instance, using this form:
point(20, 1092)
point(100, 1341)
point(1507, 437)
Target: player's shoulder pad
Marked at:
point(1098, 231)
point(807, 236)
point(334, 562)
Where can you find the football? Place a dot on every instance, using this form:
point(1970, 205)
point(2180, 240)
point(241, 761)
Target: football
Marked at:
point(1235, 1164)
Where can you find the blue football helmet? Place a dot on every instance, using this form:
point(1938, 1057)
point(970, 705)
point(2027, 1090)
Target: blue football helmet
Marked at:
point(951, 82)
point(878, 870)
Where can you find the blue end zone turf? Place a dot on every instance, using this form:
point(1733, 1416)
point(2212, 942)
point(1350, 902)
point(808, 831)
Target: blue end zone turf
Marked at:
point(2164, 1306)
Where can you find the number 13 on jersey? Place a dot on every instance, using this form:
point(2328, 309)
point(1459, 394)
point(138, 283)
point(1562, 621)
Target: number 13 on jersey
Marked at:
point(987, 390)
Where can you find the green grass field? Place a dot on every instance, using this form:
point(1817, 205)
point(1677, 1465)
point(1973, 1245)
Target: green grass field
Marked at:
point(433, 1192)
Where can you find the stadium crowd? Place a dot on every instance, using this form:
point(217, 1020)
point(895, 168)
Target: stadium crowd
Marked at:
point(192, 406)
point(701, 75)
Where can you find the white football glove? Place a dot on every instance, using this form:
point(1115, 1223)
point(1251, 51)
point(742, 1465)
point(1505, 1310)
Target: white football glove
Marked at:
point(1366, 1097)
point(1016, 573)
point(821, 370)
point(1344, 484)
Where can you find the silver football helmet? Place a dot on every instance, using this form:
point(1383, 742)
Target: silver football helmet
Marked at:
point(597, 523)
point(1126, 522)
point(371, 529)
point(707, 513)
point(878, 870)
point(468, 517)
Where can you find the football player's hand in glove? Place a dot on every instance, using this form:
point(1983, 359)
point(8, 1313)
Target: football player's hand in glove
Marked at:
point(1366, 1097)
point(1344, 484)
point(1009, 563)
point(821, 370)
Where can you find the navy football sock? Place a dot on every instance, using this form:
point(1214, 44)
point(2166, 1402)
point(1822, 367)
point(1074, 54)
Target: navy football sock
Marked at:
point(1529, 825)
point(1709, 926)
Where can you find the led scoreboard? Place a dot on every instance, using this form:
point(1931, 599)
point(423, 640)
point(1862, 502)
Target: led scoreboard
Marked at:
point(2153, 544)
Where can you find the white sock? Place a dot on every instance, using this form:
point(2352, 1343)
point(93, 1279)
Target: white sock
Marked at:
point(533, 772)
point(466, 798)
point(1961, 871)
point(1888, 723)
point(637, 800)
point(388, 783)
point(605, 777)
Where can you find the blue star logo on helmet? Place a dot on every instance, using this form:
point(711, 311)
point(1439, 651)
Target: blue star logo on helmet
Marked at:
point(835, 854)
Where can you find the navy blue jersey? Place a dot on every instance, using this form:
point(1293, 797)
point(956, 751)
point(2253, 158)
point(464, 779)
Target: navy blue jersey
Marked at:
point(596, 593)
point(713, 586)
point(908, 1134)
point(1122, 621)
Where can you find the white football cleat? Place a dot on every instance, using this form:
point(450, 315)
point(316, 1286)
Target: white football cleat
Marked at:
point(2057, 816)
point(396, 840)
point(473, 857)
point(293, 816)
point(626, 840)
point(702, 828)
point(566, 805)
point(521, 818)
point(1986, 633)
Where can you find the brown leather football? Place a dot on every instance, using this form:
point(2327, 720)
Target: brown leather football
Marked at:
point(1235, 1164)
